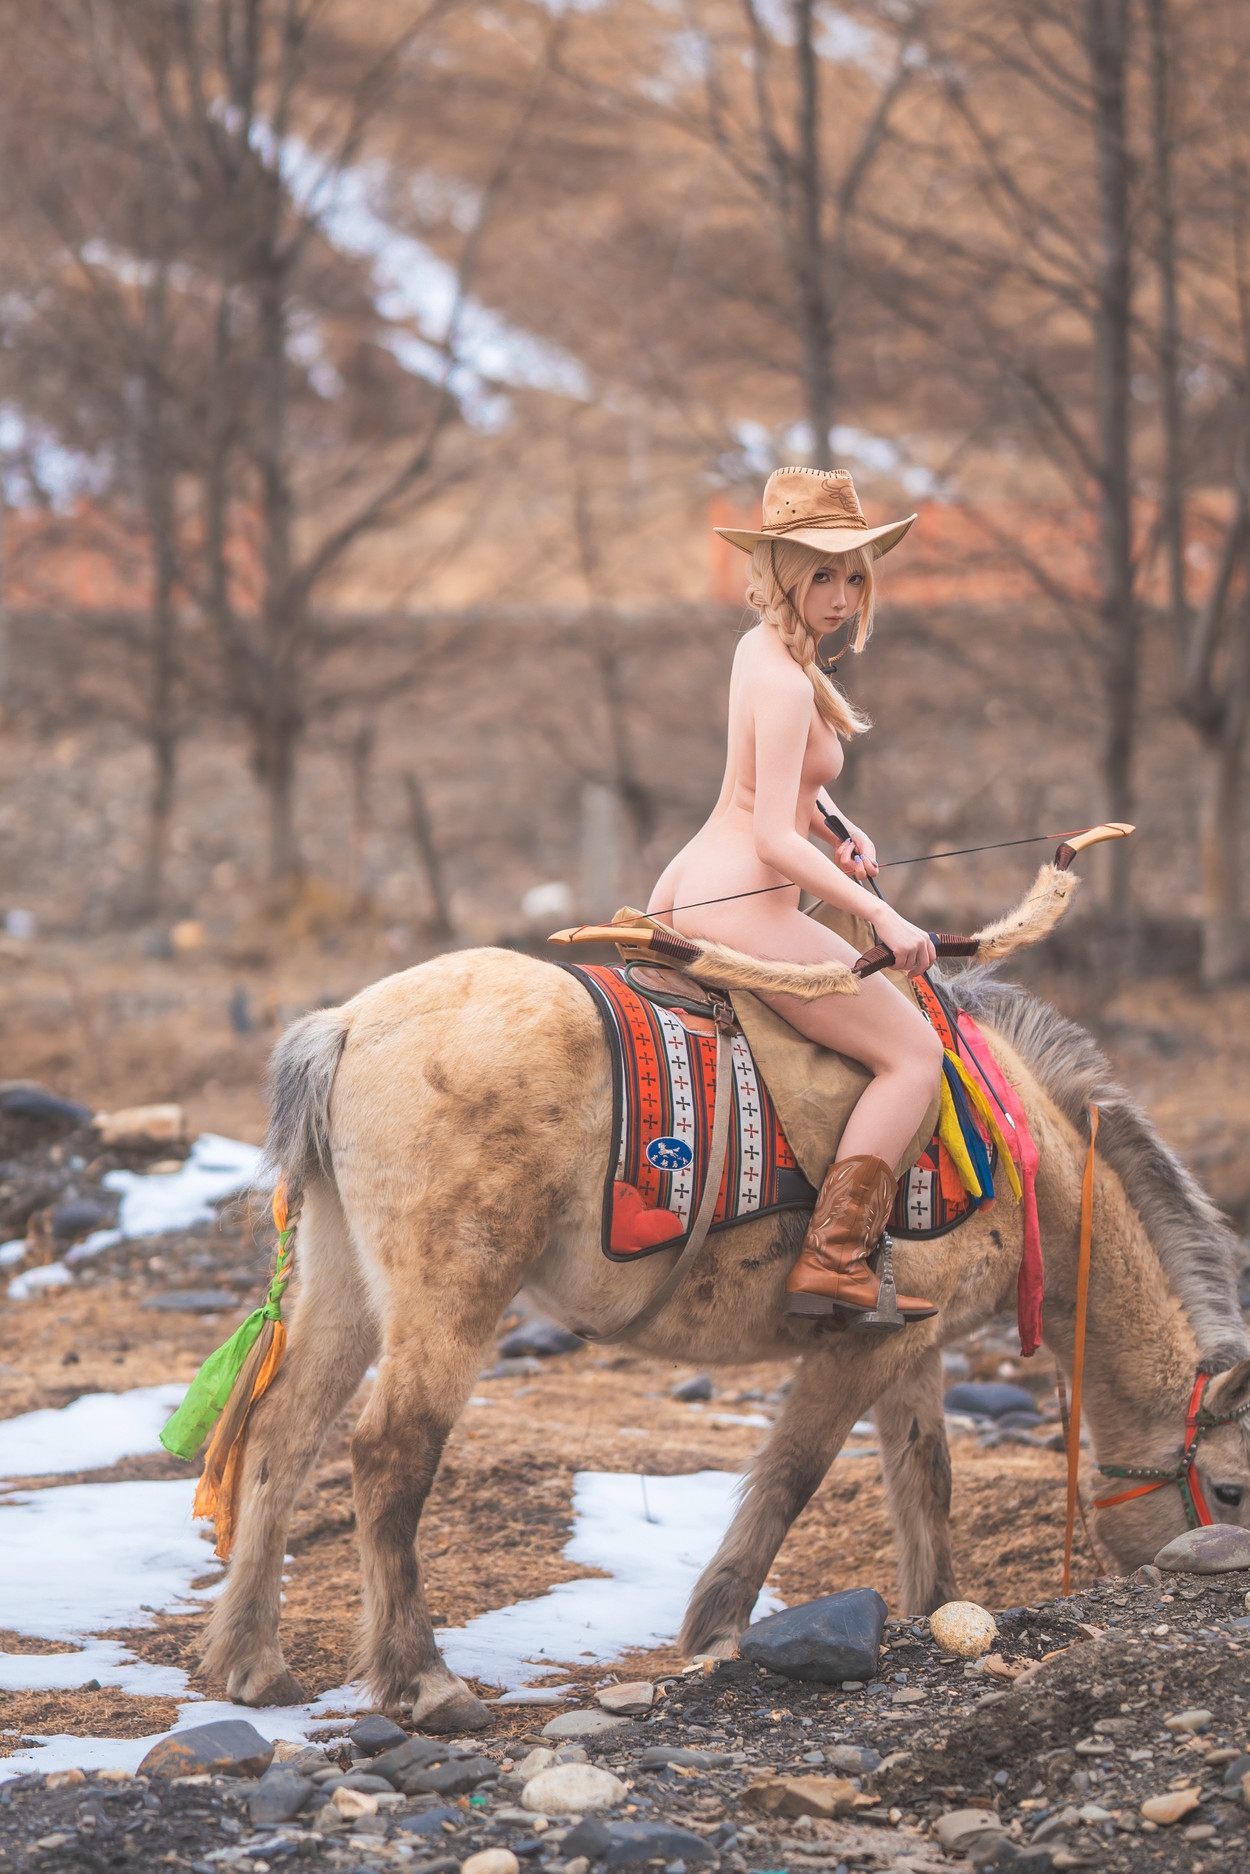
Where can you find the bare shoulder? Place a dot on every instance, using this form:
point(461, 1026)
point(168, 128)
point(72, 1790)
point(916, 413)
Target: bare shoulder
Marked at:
point(765, 662)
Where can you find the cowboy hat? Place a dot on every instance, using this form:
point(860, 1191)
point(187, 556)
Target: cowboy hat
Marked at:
point(819, 508)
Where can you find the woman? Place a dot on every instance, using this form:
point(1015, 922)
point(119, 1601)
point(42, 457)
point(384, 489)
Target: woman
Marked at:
point(811, 568)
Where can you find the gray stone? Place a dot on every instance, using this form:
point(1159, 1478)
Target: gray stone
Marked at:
point(590, 1838)
point(1060, 1824)
point(370, 1825)
point(541, 1337)
point(79, 1218)
point(191, 1301)
point(357, 1779)
point(630, 1843)
point(28, 1101)
point(281, 1793)
point(696, 1391)
point(583, 1724)
point(228, 1747)
point(415, 1753)
point(988, 1399)
point(375, 1734)
point(827, 1641)
point(853, 1759)
point(430, 1822)
point(960, 1829)
point(1215, 1550)
point(657, 1756)
point(1239, 1767)
point(447, 1779)
point(519, 1368)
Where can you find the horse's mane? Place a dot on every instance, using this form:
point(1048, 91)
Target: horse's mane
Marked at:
point(1196, 1247)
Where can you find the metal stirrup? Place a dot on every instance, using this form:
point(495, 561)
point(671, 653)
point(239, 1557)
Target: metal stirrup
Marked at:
point(885, 1317)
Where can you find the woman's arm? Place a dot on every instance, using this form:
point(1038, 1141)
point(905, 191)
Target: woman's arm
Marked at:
point(783, 709)
point(856, 856)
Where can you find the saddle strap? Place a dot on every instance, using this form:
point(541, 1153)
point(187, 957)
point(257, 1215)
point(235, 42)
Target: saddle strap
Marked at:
point(707, 1207)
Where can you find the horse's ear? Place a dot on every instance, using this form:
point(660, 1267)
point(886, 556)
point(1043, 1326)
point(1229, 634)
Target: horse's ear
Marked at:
point(1229, 1392)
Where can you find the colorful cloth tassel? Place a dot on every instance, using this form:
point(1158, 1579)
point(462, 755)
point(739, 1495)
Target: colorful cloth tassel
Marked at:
point(224, 1391)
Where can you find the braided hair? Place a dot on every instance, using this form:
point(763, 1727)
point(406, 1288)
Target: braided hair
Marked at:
point(781, 576)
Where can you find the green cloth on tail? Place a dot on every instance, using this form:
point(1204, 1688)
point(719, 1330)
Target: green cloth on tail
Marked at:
point(211, 1388)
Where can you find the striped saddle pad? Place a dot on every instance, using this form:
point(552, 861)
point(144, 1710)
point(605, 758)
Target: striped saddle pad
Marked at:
point(663, 1095)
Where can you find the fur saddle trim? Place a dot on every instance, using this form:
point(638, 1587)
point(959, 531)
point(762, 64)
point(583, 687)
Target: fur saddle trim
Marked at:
point(733, 969)
point(1032, 919)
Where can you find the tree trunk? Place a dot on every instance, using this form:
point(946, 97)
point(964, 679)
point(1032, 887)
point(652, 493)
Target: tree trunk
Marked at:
point(1224, 945)
point(815, 314)
point(1107, 39)
point(278, 777)
point(439, 923)
point(1172, 500)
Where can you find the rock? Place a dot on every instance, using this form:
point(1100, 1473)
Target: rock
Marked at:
point(582, 1724)
point(228, 1747)
point(963, 1628)
point(825, 1796)
point(351, 1803)
point(630, 1843)
point(658, 1756)
point(491, 1861)
point(1197, 1720)
point(959, 1830)
point(281, 1793)
point(512, 1369)
point(446, 1779)
point(361, 1779)
point(192, 1301)
point(1211, 1551)
point(828, 1641)
point(1019, 1421)
point(375, 1734)
point(988, 1399)
point(415, 1753)
point(25, 1100)
point(1148, 1576)
point(537, 1336)
point(580, 1864)
point(326, 1819)
point(590, 1838)
point(299, 1756)
point(629, 1700)
point(1239, 1767)
point(430, 1822)
point(64, 1779)
point(136, 1125)
point(908, 1695)
point(1171, 1806)
point(72, 1221)
point(696, 1391)
point(570, 1753)
point(852, 1759)
point(572, 1789)
point(538, 1759)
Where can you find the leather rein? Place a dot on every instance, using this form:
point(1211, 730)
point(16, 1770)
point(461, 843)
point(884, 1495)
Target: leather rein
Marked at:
point(1198, 1421)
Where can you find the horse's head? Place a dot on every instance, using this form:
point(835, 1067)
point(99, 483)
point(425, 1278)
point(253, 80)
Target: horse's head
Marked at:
point(1146, 1496)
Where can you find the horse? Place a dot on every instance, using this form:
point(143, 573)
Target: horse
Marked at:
point(448, 1131)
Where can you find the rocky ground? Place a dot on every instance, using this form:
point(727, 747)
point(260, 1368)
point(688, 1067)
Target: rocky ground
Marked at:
point(933, 1763)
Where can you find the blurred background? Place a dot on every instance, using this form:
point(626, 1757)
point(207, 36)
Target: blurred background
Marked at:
point(371, 379)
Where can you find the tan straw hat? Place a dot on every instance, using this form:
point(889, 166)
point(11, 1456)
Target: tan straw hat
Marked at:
point(819, 508)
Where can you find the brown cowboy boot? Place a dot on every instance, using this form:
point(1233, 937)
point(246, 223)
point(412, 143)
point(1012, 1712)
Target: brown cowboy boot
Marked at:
point(832, 1270)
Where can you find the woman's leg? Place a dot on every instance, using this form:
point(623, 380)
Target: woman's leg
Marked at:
point(878, 1026)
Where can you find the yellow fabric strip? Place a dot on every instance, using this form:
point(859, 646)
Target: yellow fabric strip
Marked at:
point(953, 1139)
point(983, 1107)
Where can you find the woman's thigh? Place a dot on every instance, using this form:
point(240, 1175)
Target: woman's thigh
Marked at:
point(878, 1026)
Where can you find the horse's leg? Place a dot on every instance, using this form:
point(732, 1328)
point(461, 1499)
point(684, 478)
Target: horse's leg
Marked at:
point(439, 1326)
point(916, 1466)
point(333, 1337)
point(828, 1395)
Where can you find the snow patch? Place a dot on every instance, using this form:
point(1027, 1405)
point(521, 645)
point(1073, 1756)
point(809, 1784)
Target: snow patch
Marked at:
point(94, 1432)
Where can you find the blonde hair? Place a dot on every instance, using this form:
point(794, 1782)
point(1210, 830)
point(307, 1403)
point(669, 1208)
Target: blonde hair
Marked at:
point(782, 572)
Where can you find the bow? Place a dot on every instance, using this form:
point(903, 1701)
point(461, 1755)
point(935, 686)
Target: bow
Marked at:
point(1032, 919)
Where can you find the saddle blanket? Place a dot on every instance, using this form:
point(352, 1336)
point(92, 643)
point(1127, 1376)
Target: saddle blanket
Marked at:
point(663, 1099)
point(663, 1096)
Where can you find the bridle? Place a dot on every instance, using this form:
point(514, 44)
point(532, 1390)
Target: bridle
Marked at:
point(1198, 1421)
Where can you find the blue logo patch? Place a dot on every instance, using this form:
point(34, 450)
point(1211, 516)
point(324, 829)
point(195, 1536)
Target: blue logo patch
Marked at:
point(669, 1154)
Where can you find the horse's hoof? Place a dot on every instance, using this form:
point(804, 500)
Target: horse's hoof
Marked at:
point(284, 1690)
point(458, 1712)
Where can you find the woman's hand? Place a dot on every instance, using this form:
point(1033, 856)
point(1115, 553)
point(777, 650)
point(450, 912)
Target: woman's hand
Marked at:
point(912, 947)
point(856, 856)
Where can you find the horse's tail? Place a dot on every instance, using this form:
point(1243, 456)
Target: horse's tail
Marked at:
point(301, 1079)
